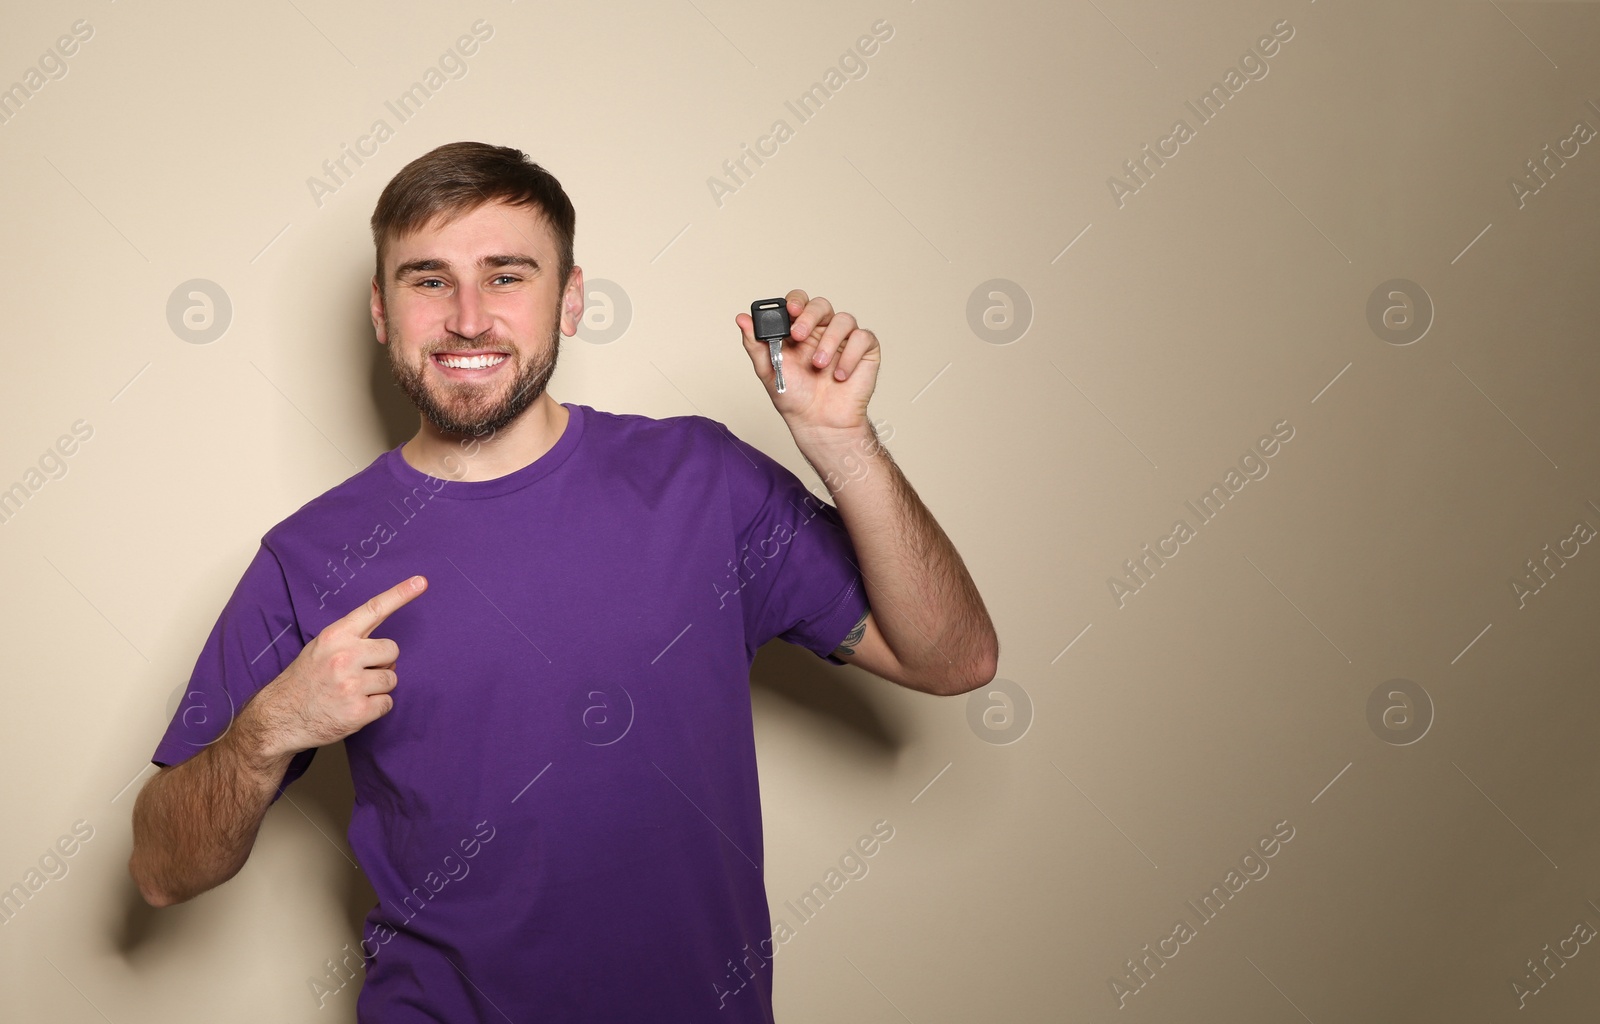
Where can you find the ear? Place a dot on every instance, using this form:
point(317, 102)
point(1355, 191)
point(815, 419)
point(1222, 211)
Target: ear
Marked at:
point(573, 300)
point(377, 313)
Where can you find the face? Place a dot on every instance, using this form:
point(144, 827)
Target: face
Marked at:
point(472, 316)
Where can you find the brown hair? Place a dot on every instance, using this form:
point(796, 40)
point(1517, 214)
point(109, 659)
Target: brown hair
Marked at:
point(461, 176)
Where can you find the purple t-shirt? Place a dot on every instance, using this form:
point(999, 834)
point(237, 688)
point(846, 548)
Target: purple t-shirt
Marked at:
point(560, 816)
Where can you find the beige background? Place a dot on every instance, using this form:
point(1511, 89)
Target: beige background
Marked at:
point(1167, 334)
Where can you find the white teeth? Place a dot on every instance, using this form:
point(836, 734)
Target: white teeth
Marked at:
point(471, 362)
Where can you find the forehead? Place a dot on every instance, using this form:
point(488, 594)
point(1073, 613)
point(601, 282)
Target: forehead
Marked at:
point(489, 228)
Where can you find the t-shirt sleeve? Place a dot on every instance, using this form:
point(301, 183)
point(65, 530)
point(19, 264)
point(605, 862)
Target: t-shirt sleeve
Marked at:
point(255, 638)
point(795, 570)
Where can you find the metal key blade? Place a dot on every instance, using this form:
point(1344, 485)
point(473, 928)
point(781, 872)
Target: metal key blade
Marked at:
point(775, 347)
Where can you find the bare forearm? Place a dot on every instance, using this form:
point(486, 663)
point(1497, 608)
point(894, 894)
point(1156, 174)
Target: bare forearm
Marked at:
point(922, 597)
point(194, 824)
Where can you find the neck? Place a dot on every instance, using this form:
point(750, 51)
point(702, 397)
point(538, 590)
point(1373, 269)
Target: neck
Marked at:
point(465, 457)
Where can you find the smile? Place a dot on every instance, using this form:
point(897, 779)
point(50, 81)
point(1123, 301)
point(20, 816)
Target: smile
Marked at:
point(473, 362)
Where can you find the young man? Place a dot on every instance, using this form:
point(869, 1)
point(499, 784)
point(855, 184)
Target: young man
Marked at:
point(532, 626)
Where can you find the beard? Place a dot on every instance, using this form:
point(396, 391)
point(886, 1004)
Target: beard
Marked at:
point(465, 407)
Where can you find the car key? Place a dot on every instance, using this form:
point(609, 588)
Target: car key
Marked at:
point(771, 322)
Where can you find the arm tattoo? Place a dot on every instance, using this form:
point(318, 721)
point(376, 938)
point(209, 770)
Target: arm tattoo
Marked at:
point(848, 645)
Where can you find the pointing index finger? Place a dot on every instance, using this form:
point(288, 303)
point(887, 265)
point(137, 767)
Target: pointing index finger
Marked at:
point(369, 616)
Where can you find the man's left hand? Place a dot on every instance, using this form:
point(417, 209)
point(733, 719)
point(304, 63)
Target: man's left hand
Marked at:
point(830, 367)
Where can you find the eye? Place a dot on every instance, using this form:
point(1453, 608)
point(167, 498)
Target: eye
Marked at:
point(506, 277)
point(427, 281)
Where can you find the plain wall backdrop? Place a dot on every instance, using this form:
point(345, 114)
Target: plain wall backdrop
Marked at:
point(1339, 326)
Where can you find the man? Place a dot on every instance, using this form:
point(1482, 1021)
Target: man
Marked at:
point(532, 626)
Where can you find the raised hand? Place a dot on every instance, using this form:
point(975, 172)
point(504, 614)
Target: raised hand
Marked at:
point(830, 368)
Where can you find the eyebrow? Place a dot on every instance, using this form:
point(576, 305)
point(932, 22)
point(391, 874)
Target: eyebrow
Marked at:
point(432, 264)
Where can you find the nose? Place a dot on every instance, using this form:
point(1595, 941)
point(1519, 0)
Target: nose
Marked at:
point(469, 316)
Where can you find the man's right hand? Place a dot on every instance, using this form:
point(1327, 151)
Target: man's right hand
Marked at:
point(339, 682)
point(195, 822)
